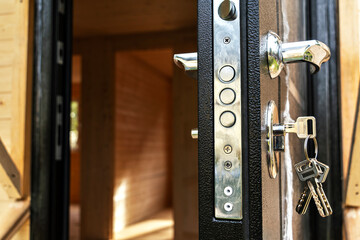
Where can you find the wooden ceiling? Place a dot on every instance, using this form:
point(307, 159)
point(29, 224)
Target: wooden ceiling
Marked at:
point(116, 17)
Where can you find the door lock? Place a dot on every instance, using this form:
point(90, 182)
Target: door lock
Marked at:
point(279, 53)
point(304, 127)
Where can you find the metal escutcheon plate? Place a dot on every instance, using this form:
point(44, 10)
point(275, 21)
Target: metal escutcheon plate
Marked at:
point(272, 117)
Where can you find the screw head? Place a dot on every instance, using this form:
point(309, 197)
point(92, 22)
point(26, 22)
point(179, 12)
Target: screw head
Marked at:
point(227, 149)
point(227, 165)
point(227, 40)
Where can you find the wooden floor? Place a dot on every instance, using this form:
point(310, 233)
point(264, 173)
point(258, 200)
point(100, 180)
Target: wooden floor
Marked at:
point(159, 227)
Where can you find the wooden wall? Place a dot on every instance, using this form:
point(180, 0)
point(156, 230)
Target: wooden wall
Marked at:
point(15, 84)
point(75, 164)
point(137, 155)
point(142, 136)
point(349, 25)
point(350, 71)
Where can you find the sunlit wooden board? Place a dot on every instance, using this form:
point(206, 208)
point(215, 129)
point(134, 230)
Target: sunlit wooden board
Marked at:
point(352, 223)
point(353, 183)
point(159, 226)
point(12, 216)
point(349, 49)
point(10, 178)
point(15, 86)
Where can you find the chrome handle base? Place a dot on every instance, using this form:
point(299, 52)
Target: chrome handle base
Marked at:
point(278, 53)
point(188, 62)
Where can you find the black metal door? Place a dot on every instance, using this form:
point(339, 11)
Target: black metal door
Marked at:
point(266, 205)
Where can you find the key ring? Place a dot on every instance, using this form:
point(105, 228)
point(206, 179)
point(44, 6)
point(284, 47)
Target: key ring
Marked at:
point(306, 147)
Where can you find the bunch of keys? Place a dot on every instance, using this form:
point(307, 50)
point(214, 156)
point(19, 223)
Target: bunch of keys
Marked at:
point(314, 173)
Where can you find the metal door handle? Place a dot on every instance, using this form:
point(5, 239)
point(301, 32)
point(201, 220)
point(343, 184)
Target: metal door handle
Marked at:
point(188, 62)
point(279, 53)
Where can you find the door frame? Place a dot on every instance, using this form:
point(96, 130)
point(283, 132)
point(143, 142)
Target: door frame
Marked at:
point(49, 217)
point(325, 106)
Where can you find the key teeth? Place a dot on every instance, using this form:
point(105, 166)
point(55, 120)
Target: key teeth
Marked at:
point(303, 202)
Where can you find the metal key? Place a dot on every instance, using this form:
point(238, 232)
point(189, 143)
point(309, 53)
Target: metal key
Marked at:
point(315, 196)
point(323, 172)
point(303, 127)
point(312, 184)
point(307, 169)
point(304, 201)
point(324, 201)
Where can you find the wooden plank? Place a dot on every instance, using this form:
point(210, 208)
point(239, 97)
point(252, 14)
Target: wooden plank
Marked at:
point(350, 72)
point(6, 77)
point(15, 84)
point(8, 25)
point(12, 216)
point(10, 178)
point(100, 18)
point(6, 106)
point(353, 180)
point(7, 7)
point(142, 41)
point(352, 223)
point(97, 135)
point(5, 132)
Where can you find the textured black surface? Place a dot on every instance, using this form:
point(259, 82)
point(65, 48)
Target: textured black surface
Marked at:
point(41, 124)
point(50, 176)
point(251, 225)
point(254, 120)
point(326, 109)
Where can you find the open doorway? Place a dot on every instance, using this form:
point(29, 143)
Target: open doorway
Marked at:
point(142, 164)
point(131, 178)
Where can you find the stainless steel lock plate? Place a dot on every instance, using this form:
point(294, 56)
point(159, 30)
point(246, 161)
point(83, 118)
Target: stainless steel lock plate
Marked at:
point(227, 111)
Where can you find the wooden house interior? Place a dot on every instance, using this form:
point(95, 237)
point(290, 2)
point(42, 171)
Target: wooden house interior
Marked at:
point(133, 162)
point(130, 176)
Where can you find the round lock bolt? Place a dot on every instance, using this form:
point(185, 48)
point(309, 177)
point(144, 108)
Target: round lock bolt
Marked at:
point(227, 73)
point(227, 119)
point(227, 96)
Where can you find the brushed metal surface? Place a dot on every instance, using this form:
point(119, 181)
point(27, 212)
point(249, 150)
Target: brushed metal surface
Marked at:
point(227, 116)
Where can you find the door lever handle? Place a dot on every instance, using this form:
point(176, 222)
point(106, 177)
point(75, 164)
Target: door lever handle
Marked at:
point(279, 53)
point(188, 62)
